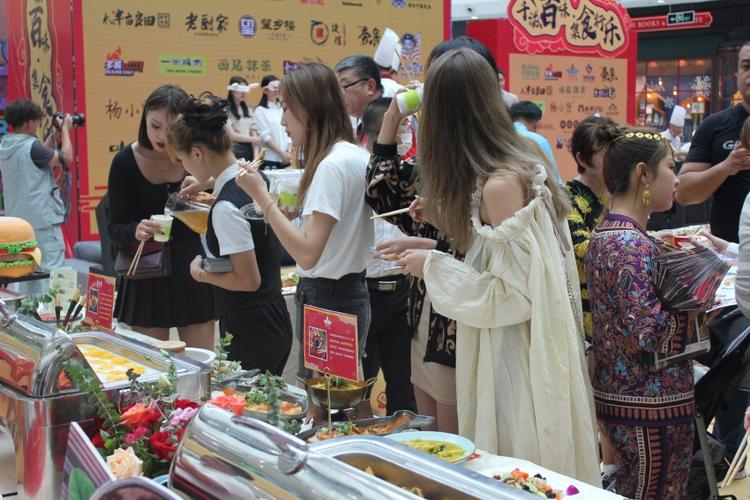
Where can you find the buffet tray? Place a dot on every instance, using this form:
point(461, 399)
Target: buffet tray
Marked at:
point(133, 350)
point(245, 380)
point(405, 420)
point(408, 468)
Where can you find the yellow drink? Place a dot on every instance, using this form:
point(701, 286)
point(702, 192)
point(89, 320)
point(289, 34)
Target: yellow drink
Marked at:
point(197, 220)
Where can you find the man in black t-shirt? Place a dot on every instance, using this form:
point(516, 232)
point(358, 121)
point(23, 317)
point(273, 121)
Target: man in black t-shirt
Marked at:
point(717, 165)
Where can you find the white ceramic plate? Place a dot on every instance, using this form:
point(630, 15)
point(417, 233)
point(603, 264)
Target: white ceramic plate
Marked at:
point(460, 441)
point(202, 355)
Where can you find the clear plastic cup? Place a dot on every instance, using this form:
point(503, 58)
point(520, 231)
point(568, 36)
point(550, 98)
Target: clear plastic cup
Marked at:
point(166, 227)
point(288, 192)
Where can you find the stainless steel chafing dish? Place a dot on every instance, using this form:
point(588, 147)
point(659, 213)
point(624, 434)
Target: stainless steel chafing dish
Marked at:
point(38, 402)
point(227, 457)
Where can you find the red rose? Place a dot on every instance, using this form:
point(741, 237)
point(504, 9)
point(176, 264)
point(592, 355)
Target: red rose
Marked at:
point(161, 445)
point(185, 403)
point(134, 436)
point(97, 440)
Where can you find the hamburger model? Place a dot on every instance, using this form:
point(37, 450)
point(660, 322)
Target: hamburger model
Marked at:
point(19, 255)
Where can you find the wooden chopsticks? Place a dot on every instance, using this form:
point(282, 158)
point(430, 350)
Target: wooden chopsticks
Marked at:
point(136, 259)
point(739, 458)
point(255, 164)
point(388, 214)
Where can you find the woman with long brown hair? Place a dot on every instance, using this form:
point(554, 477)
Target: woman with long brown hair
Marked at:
point(331, 246)
point(521, 381)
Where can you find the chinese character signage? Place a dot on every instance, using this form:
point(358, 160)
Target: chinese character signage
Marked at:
point(330, 342)
point(130, 48)
point(568, 89)
point(573, 58)
point(584, 27)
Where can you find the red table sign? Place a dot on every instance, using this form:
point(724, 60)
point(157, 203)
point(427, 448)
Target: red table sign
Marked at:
point(100, 301)
point(330, 340)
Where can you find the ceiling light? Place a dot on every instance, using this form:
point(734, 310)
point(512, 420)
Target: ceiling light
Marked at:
point(474, 17)
point(659, 1)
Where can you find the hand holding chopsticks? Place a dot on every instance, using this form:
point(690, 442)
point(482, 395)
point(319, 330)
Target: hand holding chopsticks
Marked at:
point(414, 210)
point(255, 164)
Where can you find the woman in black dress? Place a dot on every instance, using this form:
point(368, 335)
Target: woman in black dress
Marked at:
point(141, 179)
point(248, 299)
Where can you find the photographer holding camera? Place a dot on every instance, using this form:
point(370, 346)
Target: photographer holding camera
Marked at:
point(29, 188)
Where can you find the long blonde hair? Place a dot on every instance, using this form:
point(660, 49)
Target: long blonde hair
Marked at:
point(465, 136)
point(314, 96)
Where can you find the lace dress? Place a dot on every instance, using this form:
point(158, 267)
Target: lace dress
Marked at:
point(521, 380)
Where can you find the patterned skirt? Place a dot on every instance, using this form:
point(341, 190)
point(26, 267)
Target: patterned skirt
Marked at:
point(653, 462)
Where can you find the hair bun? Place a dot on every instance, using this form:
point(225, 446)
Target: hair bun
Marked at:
point(205, 112)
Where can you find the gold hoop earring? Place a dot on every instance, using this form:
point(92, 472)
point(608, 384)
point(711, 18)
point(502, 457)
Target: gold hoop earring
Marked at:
point(646, 196)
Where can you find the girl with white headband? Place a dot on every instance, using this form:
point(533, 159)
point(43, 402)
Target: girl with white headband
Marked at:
point(241, 125)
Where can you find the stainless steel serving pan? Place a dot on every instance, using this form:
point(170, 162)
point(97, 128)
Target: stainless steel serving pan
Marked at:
point(228, 457)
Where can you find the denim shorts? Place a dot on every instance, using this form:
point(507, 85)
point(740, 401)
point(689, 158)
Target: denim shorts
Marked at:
point(347, 294)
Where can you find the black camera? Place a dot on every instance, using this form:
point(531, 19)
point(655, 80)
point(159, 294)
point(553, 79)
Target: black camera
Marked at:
point(78, 119)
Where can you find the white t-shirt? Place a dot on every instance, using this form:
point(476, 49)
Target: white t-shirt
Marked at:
point(269, 123)
point(231, 228)
point(338, 189)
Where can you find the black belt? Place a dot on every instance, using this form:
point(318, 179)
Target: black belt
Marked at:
point(384, 284)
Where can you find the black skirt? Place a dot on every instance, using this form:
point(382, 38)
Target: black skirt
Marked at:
point(177, 300)
point(261, 335)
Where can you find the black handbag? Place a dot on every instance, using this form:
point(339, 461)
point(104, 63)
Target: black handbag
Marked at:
point(154, 262)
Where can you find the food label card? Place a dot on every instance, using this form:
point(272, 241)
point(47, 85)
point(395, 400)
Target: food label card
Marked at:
point(330, 340)
point(100, 301)
point(65, 278)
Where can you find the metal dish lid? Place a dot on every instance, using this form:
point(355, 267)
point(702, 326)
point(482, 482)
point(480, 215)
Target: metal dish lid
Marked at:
point(32, 355)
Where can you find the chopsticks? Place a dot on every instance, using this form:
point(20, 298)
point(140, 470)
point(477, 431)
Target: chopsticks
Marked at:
point(388, 214)
point(739, 458)
point(255, 163)
point(136, 259)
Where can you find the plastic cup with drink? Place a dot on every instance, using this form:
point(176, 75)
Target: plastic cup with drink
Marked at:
point(165, 221)
point(287, 190)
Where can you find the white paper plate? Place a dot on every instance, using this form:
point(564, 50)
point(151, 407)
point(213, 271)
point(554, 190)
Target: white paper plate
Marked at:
point(202, 355)
point(461, 441)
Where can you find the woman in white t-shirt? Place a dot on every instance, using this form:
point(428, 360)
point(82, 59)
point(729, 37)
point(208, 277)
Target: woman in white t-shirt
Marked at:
point(272, 133)
point(331, 247)
point(241, 123)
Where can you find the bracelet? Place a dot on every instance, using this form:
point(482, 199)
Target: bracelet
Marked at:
point(265, 210)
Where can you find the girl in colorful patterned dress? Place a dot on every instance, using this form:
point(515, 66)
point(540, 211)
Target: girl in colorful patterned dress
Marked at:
point(645, 412)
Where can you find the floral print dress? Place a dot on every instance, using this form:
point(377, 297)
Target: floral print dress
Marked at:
point(647, 412)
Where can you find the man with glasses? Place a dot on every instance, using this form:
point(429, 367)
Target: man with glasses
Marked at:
point(389, 334)
point(359, 78)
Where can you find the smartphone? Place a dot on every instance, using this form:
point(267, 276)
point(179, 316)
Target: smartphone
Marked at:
point(221, 265)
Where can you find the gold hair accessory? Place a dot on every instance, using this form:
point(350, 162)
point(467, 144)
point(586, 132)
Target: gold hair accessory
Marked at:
point(646, 196)
point(642, 135)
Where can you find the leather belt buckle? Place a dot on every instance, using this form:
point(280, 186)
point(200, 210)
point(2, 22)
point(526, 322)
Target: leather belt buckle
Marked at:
point(386, 286)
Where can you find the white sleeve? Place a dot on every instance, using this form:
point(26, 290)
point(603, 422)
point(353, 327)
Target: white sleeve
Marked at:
point(742, 282)
point(326, 192)
point(263, 127)
point(232, 230)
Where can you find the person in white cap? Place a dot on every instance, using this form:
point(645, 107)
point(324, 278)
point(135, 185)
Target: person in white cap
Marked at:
point(673, 133)
point(386, 57)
